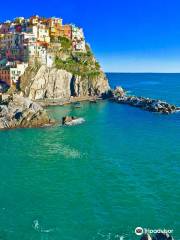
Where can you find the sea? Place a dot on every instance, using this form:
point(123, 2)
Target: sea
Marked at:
point(100, 180)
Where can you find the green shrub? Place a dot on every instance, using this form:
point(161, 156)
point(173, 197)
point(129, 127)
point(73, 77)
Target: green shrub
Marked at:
point(65, 42)
point(79, 64)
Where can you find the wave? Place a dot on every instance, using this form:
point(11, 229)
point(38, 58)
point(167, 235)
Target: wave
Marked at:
point(37, 227)
point(68, 152)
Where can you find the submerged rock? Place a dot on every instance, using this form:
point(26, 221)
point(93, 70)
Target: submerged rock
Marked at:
point(146, 237)
point(148, 104)
point(19, 112)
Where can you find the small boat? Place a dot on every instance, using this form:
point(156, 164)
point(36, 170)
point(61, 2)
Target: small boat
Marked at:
point(77, 105)
point(93, 101)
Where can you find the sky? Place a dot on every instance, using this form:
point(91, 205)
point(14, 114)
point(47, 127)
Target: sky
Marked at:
point(125, 35)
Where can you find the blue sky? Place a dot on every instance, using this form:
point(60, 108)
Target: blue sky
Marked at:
point(125, 35)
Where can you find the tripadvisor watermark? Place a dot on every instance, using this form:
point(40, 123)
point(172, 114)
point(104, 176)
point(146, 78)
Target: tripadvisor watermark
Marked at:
point(139, 231)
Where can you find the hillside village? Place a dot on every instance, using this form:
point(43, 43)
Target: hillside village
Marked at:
point(24, 41)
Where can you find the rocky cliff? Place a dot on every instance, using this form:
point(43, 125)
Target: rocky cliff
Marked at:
point(71, 75)
point(50, 83)
point(53, 83)
point(19, 112)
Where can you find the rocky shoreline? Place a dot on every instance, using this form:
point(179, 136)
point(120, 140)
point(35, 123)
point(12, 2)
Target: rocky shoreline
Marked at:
point(62, 102)
point(17, 111)
point(20, 112)
point(148, 104)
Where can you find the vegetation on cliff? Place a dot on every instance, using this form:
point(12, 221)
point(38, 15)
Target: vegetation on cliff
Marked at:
point(66, 44)
point(78, 63)
point(72, 74)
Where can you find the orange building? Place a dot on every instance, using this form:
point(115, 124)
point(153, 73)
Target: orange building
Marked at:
point(66, 31)
point(54, 21)
point(55, 30)
point(59, 30)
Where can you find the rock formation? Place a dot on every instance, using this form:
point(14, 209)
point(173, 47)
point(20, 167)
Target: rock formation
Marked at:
point(53, 83)
point(19, 112)
point(152, 105)
point(71, 120)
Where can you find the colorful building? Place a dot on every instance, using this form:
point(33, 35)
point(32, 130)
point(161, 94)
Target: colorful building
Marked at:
point(78, 39)
point(17, 71)
point(25, 40)
point(34, 20)
point(5, 76)
point(66, 31)
point(11, 73)
point(43, 33)
point(4, 28)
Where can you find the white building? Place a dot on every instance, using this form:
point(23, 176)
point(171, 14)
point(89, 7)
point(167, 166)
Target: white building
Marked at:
point(80, 46)
point(49, 60)
point(29, 36)
point(43, 33)
point(78, 39)
point(18, 71)
point(77, 33)
point(33, 29)
point(12, 28)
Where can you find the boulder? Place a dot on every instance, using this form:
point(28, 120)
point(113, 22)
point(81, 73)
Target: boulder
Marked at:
point(118, 92)
point(19, 112)
point(67, 119)
point(148, 104)
point(70, 121)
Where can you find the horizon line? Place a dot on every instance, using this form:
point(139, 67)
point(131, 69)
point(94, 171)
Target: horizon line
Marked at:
point(144, 72)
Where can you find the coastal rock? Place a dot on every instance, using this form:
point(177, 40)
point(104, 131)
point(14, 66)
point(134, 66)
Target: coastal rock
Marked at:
point(148, 104)
point(146, 237)
point(53, 83)
point(49, 83)
point(162, 236)
point(66, 119)
point(118, 92)
point(19, 112)
point(70, 121)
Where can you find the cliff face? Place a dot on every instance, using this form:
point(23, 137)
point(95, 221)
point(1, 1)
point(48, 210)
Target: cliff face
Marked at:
point(72, 74)
point(50, 83)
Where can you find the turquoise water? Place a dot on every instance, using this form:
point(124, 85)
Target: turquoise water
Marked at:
point(99, 180)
